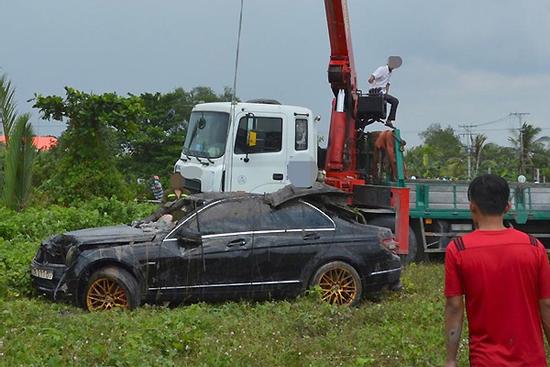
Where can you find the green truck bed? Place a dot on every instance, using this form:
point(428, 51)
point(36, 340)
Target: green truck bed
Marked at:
point(439, 211)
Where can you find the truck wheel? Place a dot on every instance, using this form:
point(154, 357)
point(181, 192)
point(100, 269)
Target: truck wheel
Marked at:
point(109, 288)
point(389, 222)
point(340, 284)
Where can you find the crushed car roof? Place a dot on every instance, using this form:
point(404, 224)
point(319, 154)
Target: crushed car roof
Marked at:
point(291, 192)
point(275, 199)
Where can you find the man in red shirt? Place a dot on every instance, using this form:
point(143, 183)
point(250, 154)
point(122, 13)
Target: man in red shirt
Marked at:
point(504, 275)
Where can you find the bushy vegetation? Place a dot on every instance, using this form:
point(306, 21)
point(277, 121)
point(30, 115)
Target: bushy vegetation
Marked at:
point(21, 233)
point(85, 160)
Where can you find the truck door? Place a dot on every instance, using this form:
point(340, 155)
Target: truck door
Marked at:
point(302, 152)
point(259, 154)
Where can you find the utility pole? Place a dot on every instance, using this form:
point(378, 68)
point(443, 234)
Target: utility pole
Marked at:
point(520, 115)
point(468, 135)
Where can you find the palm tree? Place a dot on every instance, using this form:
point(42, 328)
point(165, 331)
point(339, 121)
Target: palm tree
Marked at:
point(478, 143)
point(453, 168)
point(7, 106)
point(527, 142)
point(18, 166)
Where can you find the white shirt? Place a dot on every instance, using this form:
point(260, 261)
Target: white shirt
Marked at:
point(382, 77)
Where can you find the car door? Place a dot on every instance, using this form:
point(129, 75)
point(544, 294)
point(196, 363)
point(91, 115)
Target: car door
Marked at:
point(177, 269)
point(289, 238)
point(220, 266)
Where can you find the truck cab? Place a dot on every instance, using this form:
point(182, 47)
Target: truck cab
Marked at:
point(258, 147)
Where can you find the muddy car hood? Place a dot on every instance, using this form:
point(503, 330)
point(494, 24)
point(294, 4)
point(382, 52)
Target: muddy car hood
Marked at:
point(111, 234)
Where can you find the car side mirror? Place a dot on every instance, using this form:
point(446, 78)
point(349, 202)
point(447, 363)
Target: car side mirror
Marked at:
point(189, 239)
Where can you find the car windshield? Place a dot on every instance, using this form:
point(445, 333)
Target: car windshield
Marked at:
point(206, 134)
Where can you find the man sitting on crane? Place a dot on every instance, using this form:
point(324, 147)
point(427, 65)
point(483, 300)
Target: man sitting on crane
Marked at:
point(380, 83)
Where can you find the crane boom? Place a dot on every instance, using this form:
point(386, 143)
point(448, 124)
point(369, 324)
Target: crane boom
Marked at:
point(340, 163)
point(341, 66)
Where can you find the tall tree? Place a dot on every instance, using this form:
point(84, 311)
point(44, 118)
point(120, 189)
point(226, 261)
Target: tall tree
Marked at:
point(18, 167)
point(157, 143)
point(441, 154)
point(85, 158)
point(8, 113)
point(527, 143)
point(444, 140)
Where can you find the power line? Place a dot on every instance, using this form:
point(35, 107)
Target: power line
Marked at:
point(493, 121)
point(504, 118)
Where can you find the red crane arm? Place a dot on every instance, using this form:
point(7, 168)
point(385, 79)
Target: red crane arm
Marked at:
point(340, 160)
point(341, 66)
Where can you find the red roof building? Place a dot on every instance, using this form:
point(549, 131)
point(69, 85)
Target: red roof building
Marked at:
point(40, 142)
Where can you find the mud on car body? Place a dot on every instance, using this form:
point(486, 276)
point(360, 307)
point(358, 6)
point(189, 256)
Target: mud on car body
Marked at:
point(216, 246)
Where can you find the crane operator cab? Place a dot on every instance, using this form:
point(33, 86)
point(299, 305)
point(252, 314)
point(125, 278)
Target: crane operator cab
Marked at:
point(259, 146)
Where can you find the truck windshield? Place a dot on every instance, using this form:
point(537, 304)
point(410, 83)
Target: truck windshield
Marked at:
point(206, 134)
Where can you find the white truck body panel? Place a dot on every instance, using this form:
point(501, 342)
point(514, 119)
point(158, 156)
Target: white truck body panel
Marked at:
point(291, 157)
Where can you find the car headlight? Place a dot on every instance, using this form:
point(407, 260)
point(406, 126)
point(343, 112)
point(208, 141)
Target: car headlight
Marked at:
point(71, 255)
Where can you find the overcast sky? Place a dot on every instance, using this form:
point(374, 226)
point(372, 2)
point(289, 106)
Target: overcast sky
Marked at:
point(464, 61)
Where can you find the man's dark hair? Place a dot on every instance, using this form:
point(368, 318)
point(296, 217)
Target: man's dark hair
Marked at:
point(490, 193)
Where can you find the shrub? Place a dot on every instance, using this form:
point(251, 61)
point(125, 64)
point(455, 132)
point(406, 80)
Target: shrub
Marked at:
point(21, 233)
point(88, 179)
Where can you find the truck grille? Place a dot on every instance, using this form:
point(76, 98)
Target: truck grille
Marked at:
point(192, 185)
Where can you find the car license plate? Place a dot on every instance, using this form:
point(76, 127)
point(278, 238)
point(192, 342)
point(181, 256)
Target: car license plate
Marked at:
point(42, 273)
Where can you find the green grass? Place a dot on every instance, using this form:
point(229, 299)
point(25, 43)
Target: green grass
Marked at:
point(396, 329)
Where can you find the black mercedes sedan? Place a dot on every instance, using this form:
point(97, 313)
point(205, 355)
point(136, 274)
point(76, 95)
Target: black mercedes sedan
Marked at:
point(217, 246)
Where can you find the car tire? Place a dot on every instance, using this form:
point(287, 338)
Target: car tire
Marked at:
point(389, 222)
point(111, 287)
point(339, 282)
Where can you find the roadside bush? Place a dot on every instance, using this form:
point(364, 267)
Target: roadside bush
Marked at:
point(15, 259)
point(88, 179)
point(21, 233)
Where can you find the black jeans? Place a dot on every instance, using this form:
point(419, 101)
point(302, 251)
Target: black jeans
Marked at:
point(394, 102)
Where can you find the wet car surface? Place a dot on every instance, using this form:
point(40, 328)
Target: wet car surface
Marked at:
point(223, 246)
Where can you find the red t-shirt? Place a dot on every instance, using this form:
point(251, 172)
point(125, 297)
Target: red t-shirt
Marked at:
point(503, 276)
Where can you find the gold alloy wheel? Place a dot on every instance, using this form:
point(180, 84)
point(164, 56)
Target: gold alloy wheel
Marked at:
point(338, 287)
point(105, 294)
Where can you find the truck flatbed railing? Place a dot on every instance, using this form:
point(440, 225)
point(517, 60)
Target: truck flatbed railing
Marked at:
point(440, 211)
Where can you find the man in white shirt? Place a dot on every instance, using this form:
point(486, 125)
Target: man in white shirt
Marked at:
point(380, 83)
